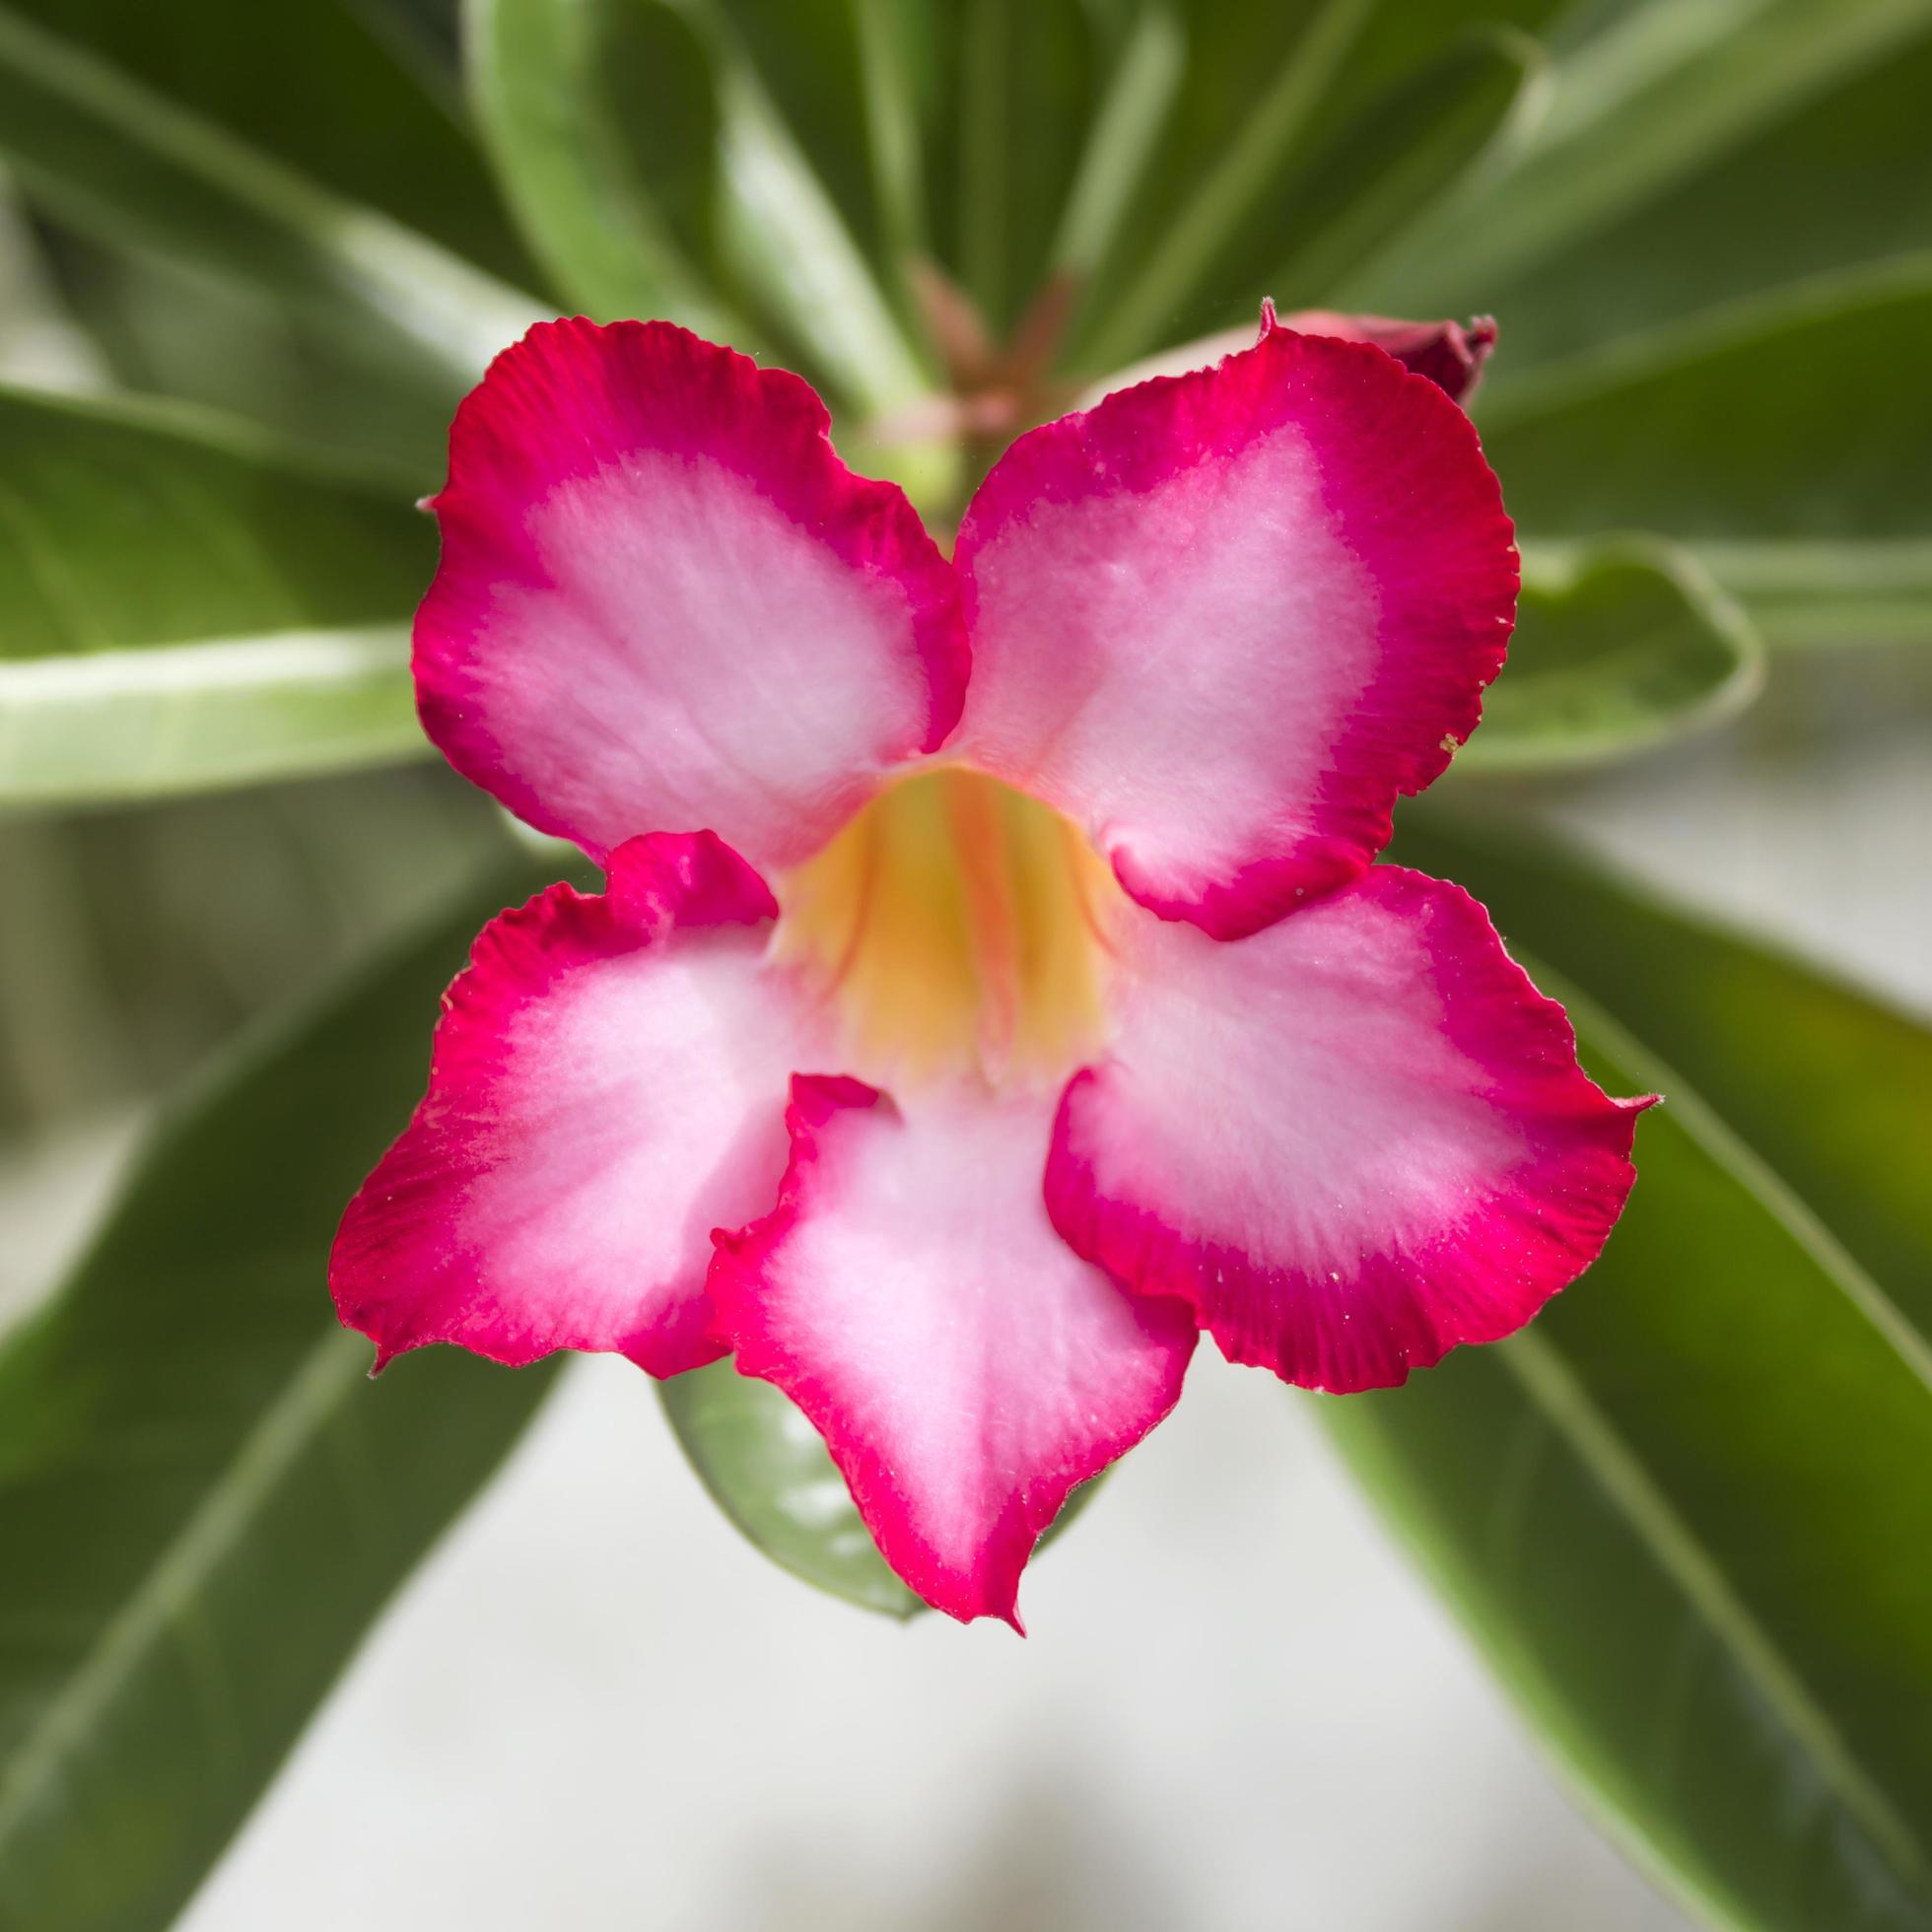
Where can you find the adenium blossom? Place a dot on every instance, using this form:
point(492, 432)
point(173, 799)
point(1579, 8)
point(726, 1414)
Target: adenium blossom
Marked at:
point(991, 988)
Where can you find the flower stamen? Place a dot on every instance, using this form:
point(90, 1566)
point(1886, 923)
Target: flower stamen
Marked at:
point(955, 925)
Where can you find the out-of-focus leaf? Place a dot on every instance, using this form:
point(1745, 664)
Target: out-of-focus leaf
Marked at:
point(1691, 154)
point(767, 1469)
point(1385, 172)
point(1026, 87)
point(1136, 94)
point(1683, 1516)
point(1618, 646)
point(812, 57)
point(1831, 592)
point(187, 718)
point(203, 1500)
point(1786, 420)
point(169, 330)
point(603, 121)
point(1829, 1086)
point(787, 248)
point(117, 160)
point(161, 926)
point(332, 88)
point(188, 604)
point(1265, 91)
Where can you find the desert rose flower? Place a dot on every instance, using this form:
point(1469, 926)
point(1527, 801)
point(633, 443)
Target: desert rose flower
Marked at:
point(992, 988)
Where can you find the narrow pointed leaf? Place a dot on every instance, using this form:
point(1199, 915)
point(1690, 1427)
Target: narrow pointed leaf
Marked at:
point(1026, 91)
point(1688, 158)
point(602, 118)
point(203, 1499)
point(1683, 1516)
point(120, 160)
point(1378, 177)
point(811, 58)
point(327, 88)
point(1618, 646)
point(188, 604)
point(785, 244)
point(1265, 93)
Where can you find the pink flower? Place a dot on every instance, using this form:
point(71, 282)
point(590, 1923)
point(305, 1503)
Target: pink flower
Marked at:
point(992, 988)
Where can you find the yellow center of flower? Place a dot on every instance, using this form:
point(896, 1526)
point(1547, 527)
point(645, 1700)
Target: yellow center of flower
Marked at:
point(955, 925)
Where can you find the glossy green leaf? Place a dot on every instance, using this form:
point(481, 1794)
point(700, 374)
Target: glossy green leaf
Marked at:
point(356, 104)
point(1777, 422)
point(1618, 646)
point(1691, 154)
point(203, 1499)
point(1829, 1086)
point(1683, 1514)
point(767, 1469)
point(602, 118)
point(187, 605)
point(116, 159)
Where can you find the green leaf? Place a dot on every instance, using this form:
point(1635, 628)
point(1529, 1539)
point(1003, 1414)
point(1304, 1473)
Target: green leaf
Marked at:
point(1267, 91)
point(1684, 1515)
point(1838, 591)
point(203, 1500)
point(119, 161)
point(1778, 421)
point(785, 244)
point(1026, 91)
point(1389, 169)
point(188, 604)
point(1135, 100)
point(767, 1469)
point(1618, 646)
point(603, 122)
point(1690, 155)
point(354, 102)
point(820, 62)
point(1379, 176)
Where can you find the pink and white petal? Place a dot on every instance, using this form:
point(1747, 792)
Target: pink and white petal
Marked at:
point(608, 1085)
point(1351, 1143)
point(966, 1368)
point(663, 603)
point(1221, 620)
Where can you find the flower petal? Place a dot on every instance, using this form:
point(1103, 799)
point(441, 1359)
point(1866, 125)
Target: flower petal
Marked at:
point(1351, 1143)
point(964, 1366)
point(665, 603)
point(1223, 619)
point(608, 1085)
point(1450, 353)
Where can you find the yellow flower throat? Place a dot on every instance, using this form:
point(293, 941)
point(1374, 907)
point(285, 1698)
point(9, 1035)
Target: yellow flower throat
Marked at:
point(957, 925)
